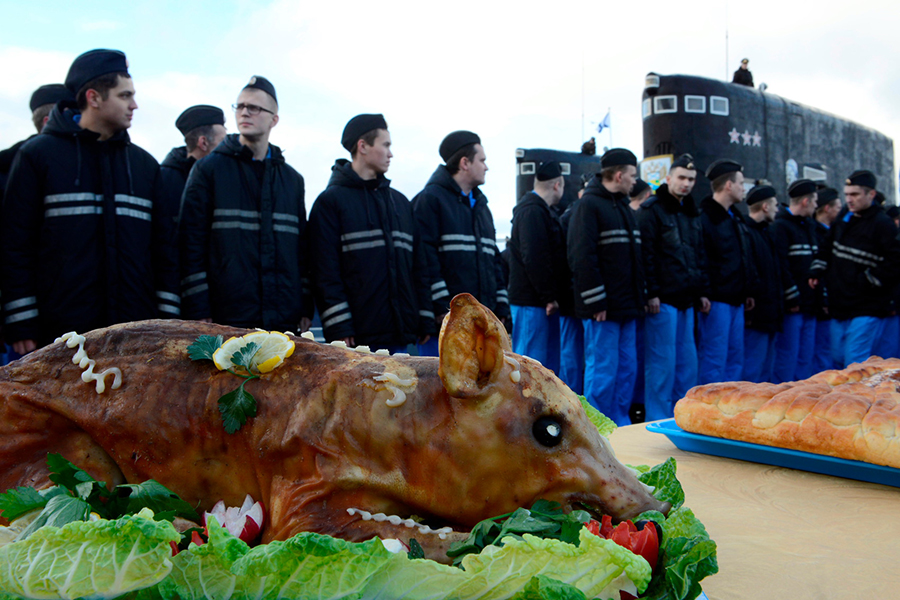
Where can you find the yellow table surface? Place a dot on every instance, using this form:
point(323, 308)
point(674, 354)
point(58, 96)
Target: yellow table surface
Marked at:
point(783, 533)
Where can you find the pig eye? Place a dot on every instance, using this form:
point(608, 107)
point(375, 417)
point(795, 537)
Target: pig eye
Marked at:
point(547, 431)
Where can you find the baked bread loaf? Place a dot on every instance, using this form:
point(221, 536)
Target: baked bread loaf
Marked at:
point(853, 413)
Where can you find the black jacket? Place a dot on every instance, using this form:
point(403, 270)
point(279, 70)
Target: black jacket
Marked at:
point(768, 311)
point(241, 240)
point(672, 249)
point(6, 160)
point(567, 300)
point(604, 251)
point(459, 243)
point(366, 279)
point(743, 77)
point(86, 239)
point(730, 266)
point(859, 263)
point(538, 271)
point(173, 172)
point(821, 291)
point(796, 243)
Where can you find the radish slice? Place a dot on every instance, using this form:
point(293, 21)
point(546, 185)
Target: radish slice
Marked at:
point(245, 522)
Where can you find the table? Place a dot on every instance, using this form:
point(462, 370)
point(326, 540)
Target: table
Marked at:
point(783, 533)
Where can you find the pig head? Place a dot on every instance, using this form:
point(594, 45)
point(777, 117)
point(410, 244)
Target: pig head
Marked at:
point(345, 443)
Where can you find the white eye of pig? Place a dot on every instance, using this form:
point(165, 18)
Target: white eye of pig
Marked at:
point(547, 431)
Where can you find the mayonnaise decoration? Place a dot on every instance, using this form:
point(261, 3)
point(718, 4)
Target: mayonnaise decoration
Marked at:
point(515, 375)
point(81, 359)
point(393, 382)
point(395, 520)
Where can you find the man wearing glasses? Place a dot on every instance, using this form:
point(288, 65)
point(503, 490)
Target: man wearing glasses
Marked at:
point(241, 230)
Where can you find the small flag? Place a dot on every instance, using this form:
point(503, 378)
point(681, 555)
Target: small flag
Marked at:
point(604, 123)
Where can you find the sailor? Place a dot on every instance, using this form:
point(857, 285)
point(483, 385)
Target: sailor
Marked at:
point(639, 193)
point(241, 231)
point(457, 229)
point(42, 102)
point(538, 271)
point(86, 240)
point(795, 239)
point(203, 128)
point(888, 344)
point(743, 76)
point(677, 284)
point(604, 253)
point(369, 288)
point(829, 207)
point(859, 263)
point(731, 275)
point(571, 328)
point(764, 321)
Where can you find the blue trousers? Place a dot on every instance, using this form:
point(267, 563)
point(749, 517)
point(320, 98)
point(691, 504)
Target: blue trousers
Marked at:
point(670, 359)
point(853, 340)
point(429, 348)
point(610, 363)
point(639, 382)
point(571, 353)
point(536, 335)
point(759, 355)
point(822, 359)
point(794, 348)
point(887, 344)
point(721, 351)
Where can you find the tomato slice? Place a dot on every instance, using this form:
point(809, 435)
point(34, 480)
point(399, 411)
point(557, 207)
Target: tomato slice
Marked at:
point(644, 543)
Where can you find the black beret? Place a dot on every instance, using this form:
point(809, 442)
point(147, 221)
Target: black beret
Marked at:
point(685, 161)
point(723, 166)
point(93, 64)
point(198, 116)
point(258, 82)
point(863, 178)
point(639, 186)
point(827, 195)
point(617, 157)
point(879, 198)
point(802, 187)
point(50, 94)
point(745, 60)
point(760, 193)
point(456, 141)
point(359, 126)
point(549, 170)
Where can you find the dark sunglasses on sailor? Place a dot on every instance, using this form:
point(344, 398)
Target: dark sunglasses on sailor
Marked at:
point(251, 108)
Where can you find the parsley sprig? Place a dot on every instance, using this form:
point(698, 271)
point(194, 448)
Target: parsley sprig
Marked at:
point(76, 495)
point(238, 405)
point(545, 519)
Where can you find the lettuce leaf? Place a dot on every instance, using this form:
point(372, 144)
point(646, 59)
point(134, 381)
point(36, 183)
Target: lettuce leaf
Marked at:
point(604, 424)
point(686, 553)
point(97, 559)
point(525, 568)
point(311, 565)
point(206, 571)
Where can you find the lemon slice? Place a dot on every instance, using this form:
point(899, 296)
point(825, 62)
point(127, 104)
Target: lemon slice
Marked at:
point(274, 347)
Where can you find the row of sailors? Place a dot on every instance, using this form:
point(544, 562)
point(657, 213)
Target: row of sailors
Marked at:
point(94, 232)
point(704, 291)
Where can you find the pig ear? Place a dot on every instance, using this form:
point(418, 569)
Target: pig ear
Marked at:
point(471, 347)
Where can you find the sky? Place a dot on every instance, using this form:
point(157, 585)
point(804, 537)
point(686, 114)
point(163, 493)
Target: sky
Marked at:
point(520, 74)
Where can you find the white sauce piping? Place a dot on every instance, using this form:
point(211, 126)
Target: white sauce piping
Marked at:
point(308, 335)
point(395, 520)
point(393, 383)
point(81, 359)
point(515, 375)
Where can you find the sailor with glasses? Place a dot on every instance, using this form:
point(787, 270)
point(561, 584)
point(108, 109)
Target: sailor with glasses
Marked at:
point(241, 230)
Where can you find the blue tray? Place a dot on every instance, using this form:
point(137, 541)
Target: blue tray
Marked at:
point(780, 457)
